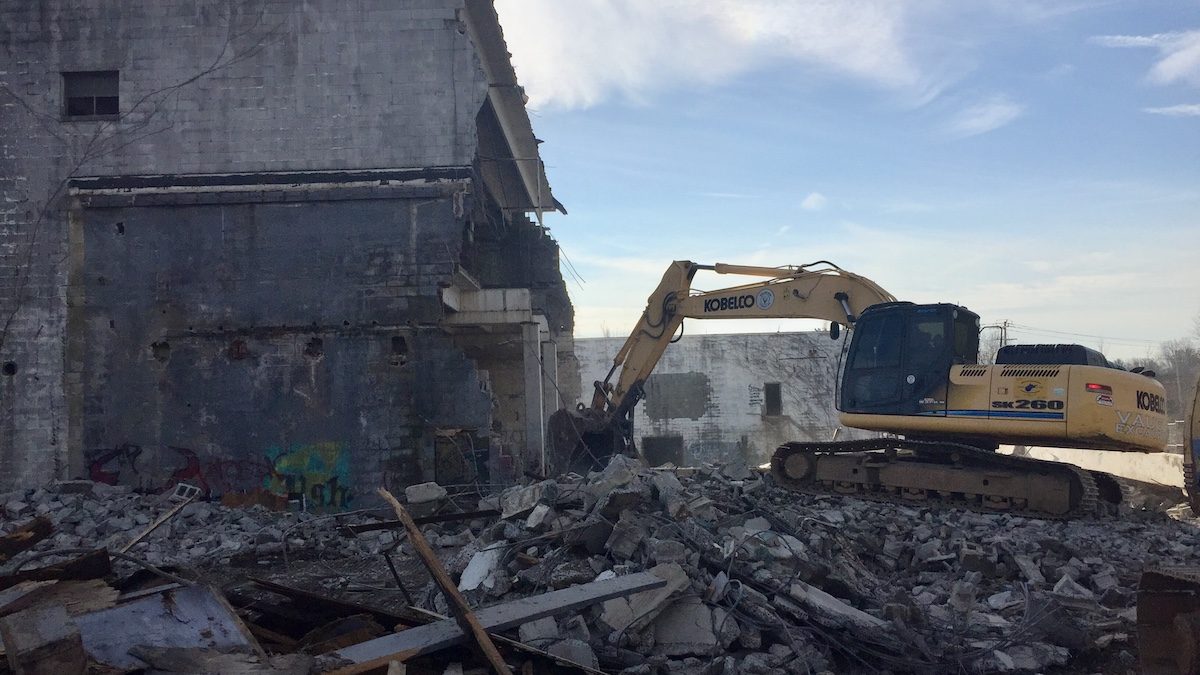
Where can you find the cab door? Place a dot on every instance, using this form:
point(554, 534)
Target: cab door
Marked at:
point(928, 355)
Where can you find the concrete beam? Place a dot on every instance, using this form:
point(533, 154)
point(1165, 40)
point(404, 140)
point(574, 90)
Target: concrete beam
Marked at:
point(551, 401)
point(535, 426)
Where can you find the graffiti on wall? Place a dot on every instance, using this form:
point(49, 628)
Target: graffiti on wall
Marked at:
point(219, 476)
point(318, 474)
point(106, 465)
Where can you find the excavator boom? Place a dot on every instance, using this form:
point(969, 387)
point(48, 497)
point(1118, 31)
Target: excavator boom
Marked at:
point(820, 290)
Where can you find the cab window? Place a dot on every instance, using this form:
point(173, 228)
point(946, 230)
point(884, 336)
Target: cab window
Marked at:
point(879, 343)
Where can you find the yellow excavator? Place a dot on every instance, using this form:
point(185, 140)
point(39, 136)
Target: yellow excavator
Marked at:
point(911, 371)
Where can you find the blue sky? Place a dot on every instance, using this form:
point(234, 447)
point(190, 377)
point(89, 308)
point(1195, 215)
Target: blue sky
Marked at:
point(1038, 162)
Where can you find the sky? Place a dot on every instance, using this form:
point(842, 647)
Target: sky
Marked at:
point(1037, 162)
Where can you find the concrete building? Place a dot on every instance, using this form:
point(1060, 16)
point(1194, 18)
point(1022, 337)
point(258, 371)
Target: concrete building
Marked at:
point(717, 398)
point(271, 246)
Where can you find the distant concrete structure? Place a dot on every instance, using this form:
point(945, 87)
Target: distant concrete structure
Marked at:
point(272, 246)
point(722, 397)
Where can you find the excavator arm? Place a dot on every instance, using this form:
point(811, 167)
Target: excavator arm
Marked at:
point(819, 290)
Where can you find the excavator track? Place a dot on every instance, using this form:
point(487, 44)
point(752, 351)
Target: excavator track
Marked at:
point(914, 472)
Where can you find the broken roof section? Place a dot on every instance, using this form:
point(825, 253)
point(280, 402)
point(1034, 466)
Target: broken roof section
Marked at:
point(508, 151)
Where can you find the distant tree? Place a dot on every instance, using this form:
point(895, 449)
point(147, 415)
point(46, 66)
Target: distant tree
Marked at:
point(1181, 369)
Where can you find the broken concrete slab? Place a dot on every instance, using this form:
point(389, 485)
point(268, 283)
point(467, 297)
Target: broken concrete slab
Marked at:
point(539, 632)
point(482, 567)
point(640, 609)
point(832, 610)
point(521, 499)
point(424, 492)
point(690, 627)
point(575, 651)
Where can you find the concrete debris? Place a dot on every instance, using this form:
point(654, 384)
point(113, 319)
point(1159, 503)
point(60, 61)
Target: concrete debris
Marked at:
point(690, 627)
point(575, 651)
point(539, 632)
point(481, 570)
point(424, 492)
point(757, 579)
point(520, 500)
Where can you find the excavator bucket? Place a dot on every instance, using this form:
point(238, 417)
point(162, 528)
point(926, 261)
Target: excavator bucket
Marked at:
point(582, 440)
point(1168, 620)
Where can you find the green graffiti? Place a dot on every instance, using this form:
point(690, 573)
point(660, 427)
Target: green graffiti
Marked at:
point(318, 472)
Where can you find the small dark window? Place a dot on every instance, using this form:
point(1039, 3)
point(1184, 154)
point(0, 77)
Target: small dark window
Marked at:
point(659, 450)
point(772, 399)
point(91, 94)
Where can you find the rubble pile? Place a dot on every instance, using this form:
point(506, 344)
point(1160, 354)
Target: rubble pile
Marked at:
point(725, 573)
point(766, 580)
point(90, 515)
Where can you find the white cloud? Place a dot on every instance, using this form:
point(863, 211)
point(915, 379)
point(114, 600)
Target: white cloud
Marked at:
point(815, 201)
point(1179, 54)
point(1181, 110)
point(985, 116)
point(577, 54)
point(1091, 285)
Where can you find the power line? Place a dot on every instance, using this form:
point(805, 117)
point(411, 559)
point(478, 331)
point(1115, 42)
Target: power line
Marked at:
point(1106, 338)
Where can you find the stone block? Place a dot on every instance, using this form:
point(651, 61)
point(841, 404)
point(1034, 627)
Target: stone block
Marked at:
point(539, 632)
point(690, 627)
point(521, 499)
point(640, 609)
point(576, 651)
point(424, 492)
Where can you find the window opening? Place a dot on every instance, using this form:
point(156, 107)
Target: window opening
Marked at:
point(772, 399)
point(91, 94)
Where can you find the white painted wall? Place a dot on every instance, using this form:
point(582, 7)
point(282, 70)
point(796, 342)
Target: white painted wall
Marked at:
point(731, 422)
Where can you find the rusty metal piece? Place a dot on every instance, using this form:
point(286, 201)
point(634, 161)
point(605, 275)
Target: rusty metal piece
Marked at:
point(1168, 620)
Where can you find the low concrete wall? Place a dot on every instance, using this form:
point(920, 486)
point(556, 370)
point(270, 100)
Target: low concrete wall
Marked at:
point(1162, 468)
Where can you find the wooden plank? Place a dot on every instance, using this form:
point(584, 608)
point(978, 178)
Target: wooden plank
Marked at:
point(432, 637)
point(22, 596)
point(340, 608)
point(458, 604)
point(25, 537)
point(94, 565)
point(424, 520)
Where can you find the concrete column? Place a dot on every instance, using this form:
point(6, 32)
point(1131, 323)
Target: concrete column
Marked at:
point(535, 439)
point(551, 401)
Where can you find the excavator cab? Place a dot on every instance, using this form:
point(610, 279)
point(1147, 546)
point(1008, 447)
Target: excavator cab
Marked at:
point(900, 357)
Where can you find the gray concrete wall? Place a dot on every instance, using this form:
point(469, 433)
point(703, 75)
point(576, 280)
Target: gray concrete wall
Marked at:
point(239, 335)
point(708, 391)
point(118, 319)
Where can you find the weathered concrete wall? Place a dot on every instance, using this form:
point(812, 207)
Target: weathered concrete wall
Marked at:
point(238, 335)
point(176, 334)
point(708, 392)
